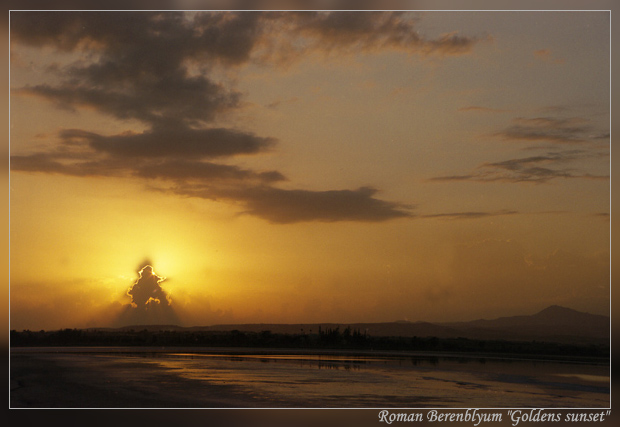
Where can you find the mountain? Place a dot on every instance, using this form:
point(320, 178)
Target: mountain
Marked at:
point(553, 324)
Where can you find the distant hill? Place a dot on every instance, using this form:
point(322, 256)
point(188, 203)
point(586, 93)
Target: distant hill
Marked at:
point(553, 324)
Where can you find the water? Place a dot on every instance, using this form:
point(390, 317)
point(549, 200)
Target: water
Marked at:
point(301, 380)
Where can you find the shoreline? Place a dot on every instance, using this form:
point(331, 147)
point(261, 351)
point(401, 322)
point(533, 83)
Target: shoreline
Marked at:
point(100, 377)
point(266, 351)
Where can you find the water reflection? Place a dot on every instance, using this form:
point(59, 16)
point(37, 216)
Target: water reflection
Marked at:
point(312, 380)
point(297, 379)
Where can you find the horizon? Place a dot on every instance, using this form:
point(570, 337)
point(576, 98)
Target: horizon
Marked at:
point(212, 168)
point(337, 323)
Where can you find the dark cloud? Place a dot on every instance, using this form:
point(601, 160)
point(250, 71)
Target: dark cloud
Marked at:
point(187, 170)
point(371, 31)
point(283, 206)
point(150, 303)
point(178, 141)
point(191, 101)
point(134, 65)
point(554, 130)
point(155, 66)
point(535, 169)
point(252, 190)
point(554, 135)
point(183, 170)
point(288, 206)
point(53, 163)
point(160, 68)
point(147, 289)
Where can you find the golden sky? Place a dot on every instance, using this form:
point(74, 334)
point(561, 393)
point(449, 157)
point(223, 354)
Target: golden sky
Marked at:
point(307, 167)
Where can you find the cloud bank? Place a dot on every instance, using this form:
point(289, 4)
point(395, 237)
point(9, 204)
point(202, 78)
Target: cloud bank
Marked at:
point(160, 68)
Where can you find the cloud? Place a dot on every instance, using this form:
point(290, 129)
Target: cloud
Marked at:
point(371, 31)
point(572, 144)
point(469, 215)
point(283, 206)
point(191, 101)
point(147, 289)
point(155, 66)
point(535, 169)
point(134, 65)
point(187, 170)
point(571, 130)
point(183, 170)
point(287, 206)
point(150, 303)
point(159, 68)
point(177, 141)
point(54, 163)
point(529, 169)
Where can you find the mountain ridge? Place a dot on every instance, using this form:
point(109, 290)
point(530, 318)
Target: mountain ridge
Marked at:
point(553, 324)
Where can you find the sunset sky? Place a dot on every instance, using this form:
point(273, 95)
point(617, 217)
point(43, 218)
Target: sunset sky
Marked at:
point(303, 167)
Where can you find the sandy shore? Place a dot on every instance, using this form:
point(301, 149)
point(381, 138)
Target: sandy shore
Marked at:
point(121, 377)
point(70, 381)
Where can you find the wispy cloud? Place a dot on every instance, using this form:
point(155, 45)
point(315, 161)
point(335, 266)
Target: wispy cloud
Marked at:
point(571, 145)
point(570, 130)
point(534, 169)
point(469, 215)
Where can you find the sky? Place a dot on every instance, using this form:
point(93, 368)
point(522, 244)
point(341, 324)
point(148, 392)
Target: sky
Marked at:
point(304, 167)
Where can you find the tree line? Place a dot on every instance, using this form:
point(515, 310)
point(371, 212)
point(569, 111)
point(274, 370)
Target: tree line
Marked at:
point(329, 338)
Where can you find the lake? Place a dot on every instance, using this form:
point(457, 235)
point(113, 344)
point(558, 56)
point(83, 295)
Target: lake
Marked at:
point(249, 378)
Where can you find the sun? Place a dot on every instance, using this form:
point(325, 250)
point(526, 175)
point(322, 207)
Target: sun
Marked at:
point(166, 263)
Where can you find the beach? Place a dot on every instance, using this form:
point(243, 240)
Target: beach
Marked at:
point(169, 378)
